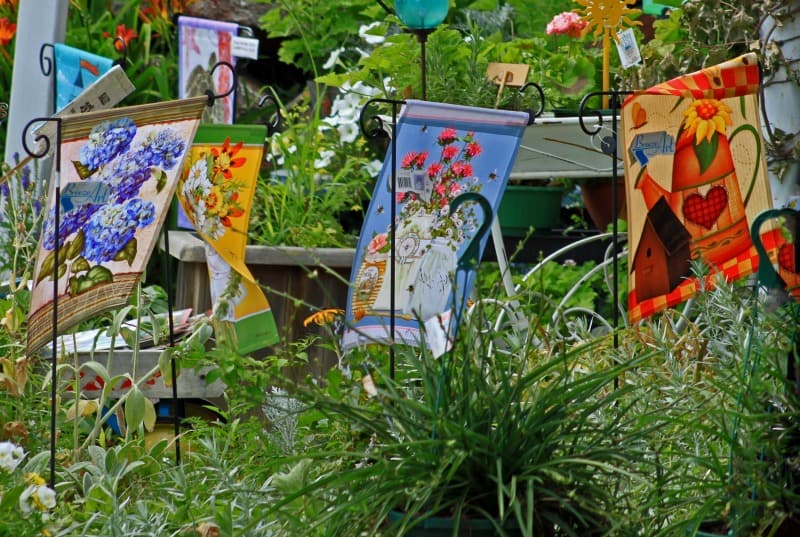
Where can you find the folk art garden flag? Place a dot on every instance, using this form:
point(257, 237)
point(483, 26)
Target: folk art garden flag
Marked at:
point(216, 191)
point(119, 171)
point(201, 44)
point(443, 150)
point(696, 178)
point(76, 70)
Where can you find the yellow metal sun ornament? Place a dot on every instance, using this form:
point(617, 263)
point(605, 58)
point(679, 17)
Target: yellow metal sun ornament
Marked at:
point(604, 18)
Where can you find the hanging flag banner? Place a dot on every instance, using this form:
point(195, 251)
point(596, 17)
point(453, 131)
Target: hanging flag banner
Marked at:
point(696, 177)
point(443, 150)
point(216, 191)
point(76, 70)
point(132, 157)
point(202, 43)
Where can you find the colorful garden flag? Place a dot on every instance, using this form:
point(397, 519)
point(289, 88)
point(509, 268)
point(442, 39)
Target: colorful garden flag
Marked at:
point(216, 191)
point(696, 178)
point(201, 44)
point(119, 170)
point(443, 150)
point(76, 70)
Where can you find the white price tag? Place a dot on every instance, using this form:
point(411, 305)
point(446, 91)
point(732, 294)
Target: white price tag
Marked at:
point(245, 47)
point(628, 48)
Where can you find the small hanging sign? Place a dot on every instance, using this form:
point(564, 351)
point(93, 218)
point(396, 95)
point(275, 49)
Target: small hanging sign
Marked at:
point(244, 47)
point(628, 48)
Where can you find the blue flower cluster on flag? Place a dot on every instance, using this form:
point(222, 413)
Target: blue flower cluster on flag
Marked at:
point(102, 232)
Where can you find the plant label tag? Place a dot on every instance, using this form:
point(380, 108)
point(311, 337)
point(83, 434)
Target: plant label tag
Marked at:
point(628, 48)
point(436, 333)
point(414, 181)
point(513, 75)
point(244, 47)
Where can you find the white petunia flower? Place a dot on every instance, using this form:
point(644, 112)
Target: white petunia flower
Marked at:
point(10, 456)
point(333, 58)
point(348, 132)
point(371, 39)
point(374, 168)
point(324, 159)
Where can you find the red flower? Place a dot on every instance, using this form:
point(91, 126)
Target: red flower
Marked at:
point(568, 23)
point(421, 158)
point(409, 160)
point(123, 38)
point(449, 152)
point(447, 136)
point(7, 31)
point(462, 169)
point(434, 169)
point(473, 149)
point(224, 160)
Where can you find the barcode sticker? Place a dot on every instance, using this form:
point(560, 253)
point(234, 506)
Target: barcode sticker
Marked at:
point(414, 181)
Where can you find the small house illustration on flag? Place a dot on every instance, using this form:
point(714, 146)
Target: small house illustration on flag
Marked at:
point(662, 258)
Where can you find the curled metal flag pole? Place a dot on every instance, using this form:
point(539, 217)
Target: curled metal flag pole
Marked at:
point(42, 148)
point(608, 145)
point(374, 127)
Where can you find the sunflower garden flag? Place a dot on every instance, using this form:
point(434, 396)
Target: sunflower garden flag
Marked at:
point(119, 172)
point(443, 150)
point(215, 191)
point(696, 178)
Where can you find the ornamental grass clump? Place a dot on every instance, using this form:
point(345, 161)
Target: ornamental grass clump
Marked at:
point(535, 442)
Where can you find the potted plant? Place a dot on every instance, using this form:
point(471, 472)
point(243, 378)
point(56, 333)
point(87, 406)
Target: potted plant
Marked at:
point(503, 435)
point(530, 204)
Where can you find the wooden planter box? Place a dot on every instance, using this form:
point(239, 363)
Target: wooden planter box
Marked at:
point(297, 281)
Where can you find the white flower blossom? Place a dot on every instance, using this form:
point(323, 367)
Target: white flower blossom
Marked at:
point(324, 160)
point(348, 132)
point(10, 456)
point(373, 168)
point(333, 58)
point(371, 39)
point(36, 495)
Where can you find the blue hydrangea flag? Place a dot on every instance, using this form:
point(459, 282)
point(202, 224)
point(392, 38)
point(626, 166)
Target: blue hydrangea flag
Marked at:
point(103, 245)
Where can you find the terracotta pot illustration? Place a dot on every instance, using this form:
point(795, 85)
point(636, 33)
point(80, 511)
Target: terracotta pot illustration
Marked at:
point(705, 193)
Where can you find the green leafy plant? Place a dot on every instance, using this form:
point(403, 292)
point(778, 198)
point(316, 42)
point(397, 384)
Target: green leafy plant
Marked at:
point(319, 177)
point(459, 52)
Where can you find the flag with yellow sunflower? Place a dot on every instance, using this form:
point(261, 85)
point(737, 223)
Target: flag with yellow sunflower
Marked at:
point(696, 177)
point(215, 191)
